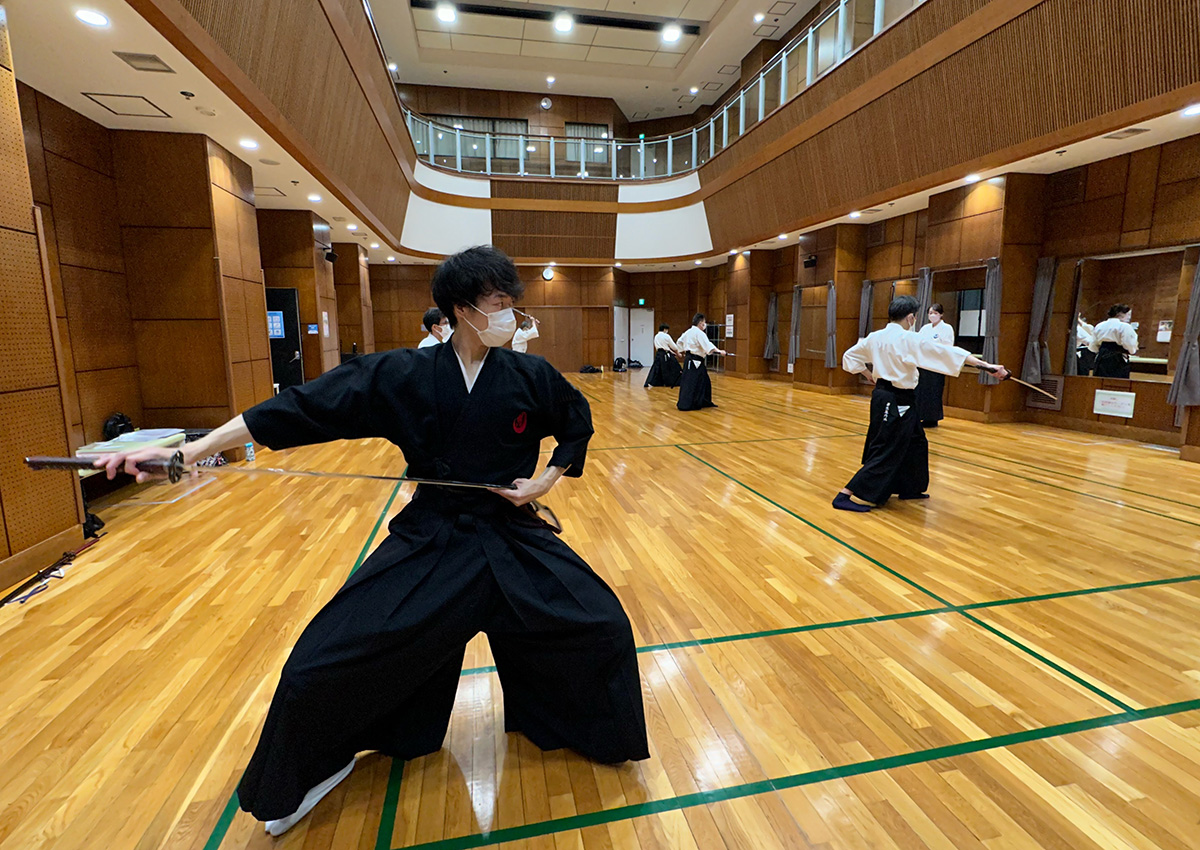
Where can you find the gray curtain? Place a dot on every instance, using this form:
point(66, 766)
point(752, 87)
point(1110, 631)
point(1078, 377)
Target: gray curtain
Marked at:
point(1185, 389)
point(831, 326)
point(794, 331)
point(866, 305)
point(992, 291)
point(924, 296)
point(772, 347)
point(1070, 358)
point(1037, 352)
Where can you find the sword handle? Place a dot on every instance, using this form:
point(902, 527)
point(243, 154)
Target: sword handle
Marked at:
point(172, 467)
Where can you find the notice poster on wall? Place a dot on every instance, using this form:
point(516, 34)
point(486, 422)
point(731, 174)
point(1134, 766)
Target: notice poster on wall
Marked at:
point(313, 330)
point(275, 324)
point(729, 326)
point(1112, 403)
point(1164, 331)
point(325, 322)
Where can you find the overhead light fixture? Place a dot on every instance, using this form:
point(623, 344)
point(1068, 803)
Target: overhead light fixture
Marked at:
point(393, 67)
point(458, 126)
point(316, 199)
point(530, 148)
point(474, 147)
point(552, 263)
point(783, 236)
point(972, 178)
point(618, 265)
point(249, 144)
point(734, 251)
point(391, 259)
point(549, 81)
point(694, 89)
point(1192, 111)
point(598, 150)
point(745, 253)
point(856, 214)
point(996, 180)
point(759, 18)
point(604, 135)
point(563, 22)
point(446, 13)
point(374, 244)
point(698, 262)
point(547, 273)
point(91, 18)
point(439, 135)
point(352, 227)
point(671, 33)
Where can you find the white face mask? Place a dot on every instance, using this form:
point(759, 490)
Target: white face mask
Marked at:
point(500, 329)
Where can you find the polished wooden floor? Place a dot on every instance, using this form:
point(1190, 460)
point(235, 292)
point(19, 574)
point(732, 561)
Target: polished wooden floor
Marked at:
point(1013, 663)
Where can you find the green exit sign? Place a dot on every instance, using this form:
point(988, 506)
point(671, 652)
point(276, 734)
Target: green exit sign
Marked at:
point(641, 302)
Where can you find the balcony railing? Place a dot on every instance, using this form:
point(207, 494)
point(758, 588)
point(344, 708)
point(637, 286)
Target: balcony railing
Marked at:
point(838, 33)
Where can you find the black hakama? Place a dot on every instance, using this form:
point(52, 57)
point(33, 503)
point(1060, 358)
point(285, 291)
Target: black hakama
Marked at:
point(695, 387)
point(1085, 360)
point(930, 388)
point(896, 454)
point(378, 667)
point(1112, 361)
point(664, 371)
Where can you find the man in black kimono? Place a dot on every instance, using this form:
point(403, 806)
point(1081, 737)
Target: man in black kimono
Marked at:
point(378, 666)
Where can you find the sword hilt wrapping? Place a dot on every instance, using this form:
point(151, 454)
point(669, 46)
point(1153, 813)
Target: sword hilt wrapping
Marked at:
point(173, 467)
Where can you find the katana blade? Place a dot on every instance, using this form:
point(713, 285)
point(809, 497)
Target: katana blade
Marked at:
point(175, 469)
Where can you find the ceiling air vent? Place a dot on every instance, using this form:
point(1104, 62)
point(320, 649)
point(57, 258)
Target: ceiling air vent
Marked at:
point(873, 210)
point(128, 105)
point(268, 192)
point(144, 62)
point(1126, 134)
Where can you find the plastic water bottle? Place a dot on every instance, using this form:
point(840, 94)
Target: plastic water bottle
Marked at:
point(250, 452)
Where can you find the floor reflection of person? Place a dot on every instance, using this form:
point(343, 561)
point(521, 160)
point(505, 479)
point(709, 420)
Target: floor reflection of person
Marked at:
point(1113, 343)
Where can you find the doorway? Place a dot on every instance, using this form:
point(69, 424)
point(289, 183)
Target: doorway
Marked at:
point(641, 335)
point(620, 332)
point(283, 327)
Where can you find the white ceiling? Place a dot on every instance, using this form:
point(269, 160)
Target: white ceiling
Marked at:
point(645, 76)
point(63, 58)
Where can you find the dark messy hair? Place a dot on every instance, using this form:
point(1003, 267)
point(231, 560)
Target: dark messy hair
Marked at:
point(1117, 309)
point(462, 278)
point(901, 306)
point(664, 327)
point(938, 308)
point(697, 319)
point(433, 317)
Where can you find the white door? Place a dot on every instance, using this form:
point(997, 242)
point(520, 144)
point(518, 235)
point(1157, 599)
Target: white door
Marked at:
point(641, 335)
point(620, 333)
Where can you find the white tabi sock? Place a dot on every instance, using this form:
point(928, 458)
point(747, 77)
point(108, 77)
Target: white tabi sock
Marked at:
point(314, 795)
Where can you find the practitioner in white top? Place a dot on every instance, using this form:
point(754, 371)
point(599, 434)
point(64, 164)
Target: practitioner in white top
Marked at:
point(437, 325)
point(932, 385)
point(1113, 341)
point(664, 371)
point(695, 387)
point(527, 331)
point(896, 454)
point(1084, 334)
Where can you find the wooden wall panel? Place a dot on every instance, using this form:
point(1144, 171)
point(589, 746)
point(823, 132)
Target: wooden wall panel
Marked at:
point(99, 318)
point(182, 376)
point(103, 392)
point(554, 234)
point(488, 103)
point(85, 215)
point(159, 177)
point(170, 272)
point(293, 245)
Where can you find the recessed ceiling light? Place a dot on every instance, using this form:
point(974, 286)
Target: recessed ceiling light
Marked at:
point(549, 81)
point(91, 18)
point(783, 236)
point(745, 253)
point(563, 22)
point(972, 178)
point(392, 66)
point(458, 126)
point(446, 13)
point(316, 199)
point(352, 227)
point(598, 150)
point(249, 144)
point(759, 18)
point(391, 259)
point(374, 244)
point(552, 263)
point(474, 147)
point(856, 214)
point(1192, 111)
point(618, 265)
point(694, 89)
point(734, 251)
point(604, 135)
point(530, 148)
point(671, 33)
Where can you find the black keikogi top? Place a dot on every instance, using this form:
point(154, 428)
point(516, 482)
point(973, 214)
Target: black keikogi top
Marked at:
point(418, 400)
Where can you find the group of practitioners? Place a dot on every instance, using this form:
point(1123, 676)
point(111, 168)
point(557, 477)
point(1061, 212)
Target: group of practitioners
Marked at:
point(681, 363)
point(437, 326)
point(1104, 350)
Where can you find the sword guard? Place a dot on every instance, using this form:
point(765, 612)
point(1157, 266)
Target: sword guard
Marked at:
point(175, 468)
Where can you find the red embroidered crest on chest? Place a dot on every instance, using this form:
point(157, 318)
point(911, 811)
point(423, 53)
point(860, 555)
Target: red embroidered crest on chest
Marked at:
point(520, 422)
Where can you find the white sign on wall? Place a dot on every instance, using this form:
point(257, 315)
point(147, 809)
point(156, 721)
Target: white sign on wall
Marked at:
point(1112, 403)
point(325, 322)
point(729, 326)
